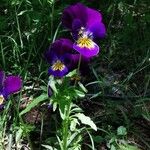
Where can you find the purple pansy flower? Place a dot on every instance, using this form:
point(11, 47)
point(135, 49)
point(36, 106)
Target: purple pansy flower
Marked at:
point(86, 25)
point(61, 58)
point(8, 85)
point(59, 47)
point(58, 67)
point(57, 56)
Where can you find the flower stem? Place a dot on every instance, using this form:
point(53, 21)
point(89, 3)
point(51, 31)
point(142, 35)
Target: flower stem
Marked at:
point(79, 63)
point(66, 127)
point(78, 69)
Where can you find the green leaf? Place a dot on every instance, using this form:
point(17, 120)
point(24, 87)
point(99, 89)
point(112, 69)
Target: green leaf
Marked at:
point(82, 87)
point(75, 109)
point(60, 142)
point(127, 147)
point(73, 124)
point(54, 106)
point(121, 131)
point(48, 147)
point(18, 135)
point(112, 147)
point(62, 113)
point(72, 73)
point(92, 142)
point(146, 116)
point(34, 103)
point(111, 141)
point(79, 93)
point(86, 120)
point(74, 137)
point(98, 139)
point(22, 12)
point(52, 84)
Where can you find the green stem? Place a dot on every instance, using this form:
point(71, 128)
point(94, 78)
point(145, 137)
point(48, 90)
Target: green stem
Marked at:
point(3, 56)
point(79, 63)
point(18, 27)
point(56, 32)
point(78, 69)
point(52, 19)
point(66, 127)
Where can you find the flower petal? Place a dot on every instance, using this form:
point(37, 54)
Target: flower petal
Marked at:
point(93, 15)
point(94, 23)
point(87, 52)
point(98, 29)
point(58, 73)
point(59, 47)
point(12, 84)
point(76, 16)
point(76, 26)
point(62, 46)
point(77, 11)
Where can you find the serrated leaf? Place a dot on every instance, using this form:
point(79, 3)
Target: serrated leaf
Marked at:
point(86, 120)
point(34, 103)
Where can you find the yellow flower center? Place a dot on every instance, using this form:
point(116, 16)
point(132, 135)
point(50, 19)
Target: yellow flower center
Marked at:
point(58, 65)
point(85, 42)
point(1, 99)
point(85, 39)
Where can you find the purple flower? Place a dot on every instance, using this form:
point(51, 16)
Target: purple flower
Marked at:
point(58, 56)
point(58, 67)
point(86, 25)
point(8, 85)
point(59, 47)
point(61, 58)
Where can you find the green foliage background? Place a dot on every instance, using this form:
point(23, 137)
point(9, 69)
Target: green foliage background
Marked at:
point(121, 71)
